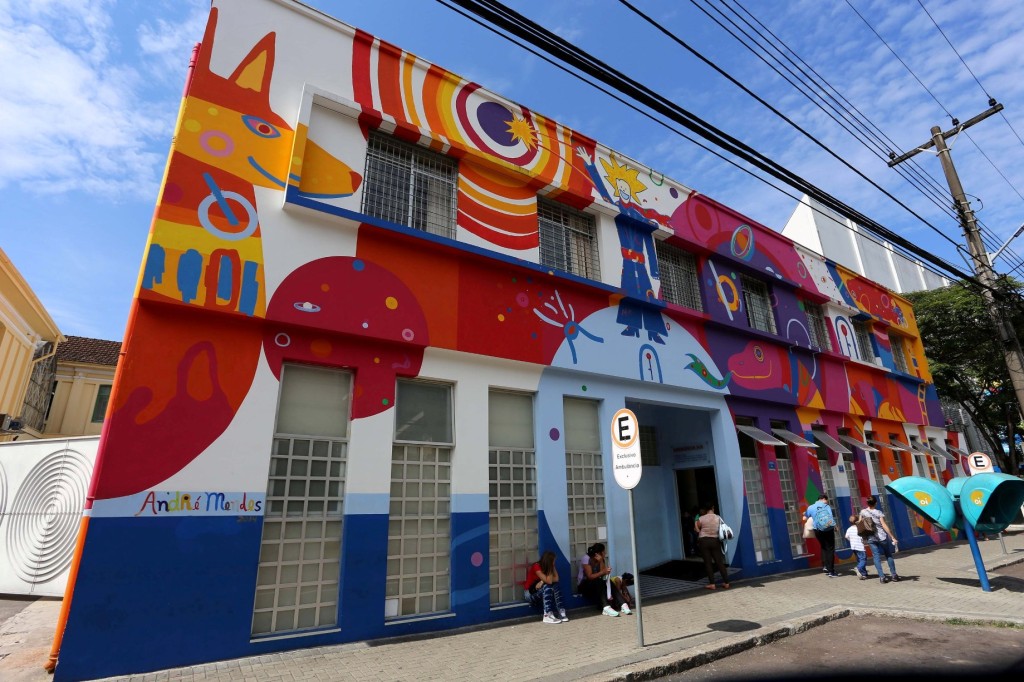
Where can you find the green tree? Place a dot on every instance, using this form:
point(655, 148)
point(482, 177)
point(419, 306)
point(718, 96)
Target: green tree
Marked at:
point(966, 357)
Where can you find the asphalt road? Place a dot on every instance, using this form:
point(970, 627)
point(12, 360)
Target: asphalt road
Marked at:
point(868, 647)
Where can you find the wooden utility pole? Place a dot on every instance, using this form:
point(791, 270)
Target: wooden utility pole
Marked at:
point(982, 267)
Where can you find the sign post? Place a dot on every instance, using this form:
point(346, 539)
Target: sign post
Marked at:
point(627, 467)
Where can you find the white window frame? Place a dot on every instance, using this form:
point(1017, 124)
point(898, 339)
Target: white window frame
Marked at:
point(758, 304)
point(410, 185)
point(568, 239)
point(816, 326)
point(680, 283)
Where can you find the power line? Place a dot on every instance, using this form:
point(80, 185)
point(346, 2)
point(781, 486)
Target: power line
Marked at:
point(517, 25)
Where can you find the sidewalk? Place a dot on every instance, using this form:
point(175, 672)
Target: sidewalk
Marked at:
point(679, 632)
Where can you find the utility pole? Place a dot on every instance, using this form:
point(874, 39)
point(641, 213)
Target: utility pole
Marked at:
point(979, 255)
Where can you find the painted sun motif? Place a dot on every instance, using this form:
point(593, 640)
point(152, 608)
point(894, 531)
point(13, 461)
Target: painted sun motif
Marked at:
point(521, 131)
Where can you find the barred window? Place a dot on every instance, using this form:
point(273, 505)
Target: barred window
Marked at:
point(678, 270)
point(816, 326)
point(568, 239)
point(758, 304)
point(898, 353)
point(862, 331)
point(410, 185)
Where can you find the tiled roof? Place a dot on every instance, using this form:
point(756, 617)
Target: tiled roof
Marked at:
point(92, 351)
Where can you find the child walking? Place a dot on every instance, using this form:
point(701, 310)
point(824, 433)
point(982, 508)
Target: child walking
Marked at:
point(857, 545)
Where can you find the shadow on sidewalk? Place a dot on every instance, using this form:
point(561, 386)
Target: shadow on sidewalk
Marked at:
point(1000, 582)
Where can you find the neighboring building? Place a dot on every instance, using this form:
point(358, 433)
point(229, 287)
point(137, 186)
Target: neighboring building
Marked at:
point(83, 379)
point(384, 321)
point(28, 338)
point(824, 231)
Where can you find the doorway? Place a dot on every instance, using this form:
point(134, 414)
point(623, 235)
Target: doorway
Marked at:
point(696, 488)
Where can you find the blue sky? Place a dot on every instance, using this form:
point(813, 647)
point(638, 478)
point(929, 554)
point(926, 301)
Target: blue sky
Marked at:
point(89, 92)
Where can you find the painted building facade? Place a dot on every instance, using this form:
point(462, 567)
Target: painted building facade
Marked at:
point(383, 321)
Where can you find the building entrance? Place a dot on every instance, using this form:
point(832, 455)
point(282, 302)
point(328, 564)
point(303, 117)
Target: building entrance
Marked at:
point(696, 489)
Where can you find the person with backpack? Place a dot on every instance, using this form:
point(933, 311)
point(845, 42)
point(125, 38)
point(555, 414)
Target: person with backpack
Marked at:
point(824, 532)
point(883, 542)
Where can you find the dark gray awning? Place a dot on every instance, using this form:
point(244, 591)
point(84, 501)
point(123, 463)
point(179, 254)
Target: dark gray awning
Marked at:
point(892, 445)
point(794, 438)
point(925, 450)
point(859, 444)
point(758, 435)
point(831, 443)
point(957, 450)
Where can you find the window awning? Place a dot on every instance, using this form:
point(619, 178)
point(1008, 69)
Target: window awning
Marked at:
point(925, 450)
point(957, 450)
point(831, 443)
point(850, 440)
point(758, 435)
point(892, 445)
point(793, 438)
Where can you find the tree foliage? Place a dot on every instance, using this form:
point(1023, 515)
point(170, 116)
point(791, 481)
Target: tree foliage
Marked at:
point(965, 354)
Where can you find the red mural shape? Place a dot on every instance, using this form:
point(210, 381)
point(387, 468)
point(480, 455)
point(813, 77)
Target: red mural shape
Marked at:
point(181, 393)
point(351, 313)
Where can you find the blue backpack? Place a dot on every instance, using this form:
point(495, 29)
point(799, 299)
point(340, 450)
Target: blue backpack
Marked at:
point(823, 519)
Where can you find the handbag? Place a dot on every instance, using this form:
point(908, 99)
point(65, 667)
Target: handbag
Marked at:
point(809, 527)
point(724, 531)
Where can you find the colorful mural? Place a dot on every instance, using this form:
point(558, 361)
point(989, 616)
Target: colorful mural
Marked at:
point(260, 258)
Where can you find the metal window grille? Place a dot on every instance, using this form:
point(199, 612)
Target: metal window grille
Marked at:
point(419, 531)
point(678, 270)
point(584, 476)
point(514, 541)
point(758, 510)
point(758, 304)
point(648, 446)
point(794, 524)
point(300, 551)
point(862, 330)
point(410, 185)
point(816, 326)
point(898, 353)
point(568, 239)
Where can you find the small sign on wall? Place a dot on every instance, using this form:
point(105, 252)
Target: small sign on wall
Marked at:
point(692, 454)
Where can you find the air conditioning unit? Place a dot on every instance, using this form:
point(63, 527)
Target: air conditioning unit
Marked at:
point(11, 424)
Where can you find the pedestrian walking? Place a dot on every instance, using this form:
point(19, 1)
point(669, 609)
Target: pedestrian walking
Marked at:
point(710, 546)
point(824, 521)
point(883, 542)
point(857, 545)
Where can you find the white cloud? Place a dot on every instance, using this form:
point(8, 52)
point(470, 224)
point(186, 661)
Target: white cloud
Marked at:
point(73, 107)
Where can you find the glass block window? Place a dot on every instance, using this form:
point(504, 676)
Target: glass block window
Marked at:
point(899, 355)
point(300, 550)
point(850, 473)
point(568, 239)
point(410, 185)
point(862, 331)
point(794, 522)
point(512, 469)
point(418, 578)
point(758, 510)
point(584, 476)
point(648, 446)
point(817, 327)
point(826, 475)
point(758, 304)
point(678, 270)
point(99, 408)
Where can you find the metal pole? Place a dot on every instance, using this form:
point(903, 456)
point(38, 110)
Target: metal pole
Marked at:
point(636, 569)
point(975, 550)
point(1007, 335)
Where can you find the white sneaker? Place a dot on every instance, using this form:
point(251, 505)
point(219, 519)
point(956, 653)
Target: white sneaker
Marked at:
point(551, 619)
point(609, 611)
point(625, 610)
point(561, 615)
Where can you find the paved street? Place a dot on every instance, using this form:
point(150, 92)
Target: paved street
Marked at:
point(680, 631)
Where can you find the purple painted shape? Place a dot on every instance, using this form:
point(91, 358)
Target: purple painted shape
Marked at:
point(554, 434)
point(494, 120)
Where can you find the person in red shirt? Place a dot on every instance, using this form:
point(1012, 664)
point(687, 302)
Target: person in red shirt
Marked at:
point(541, 587)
